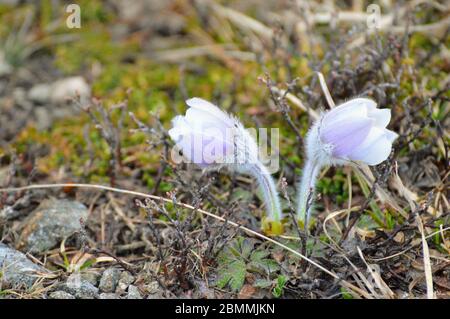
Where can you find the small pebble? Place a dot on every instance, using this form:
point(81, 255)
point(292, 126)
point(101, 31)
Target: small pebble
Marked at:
point(108, 295)
point(61, 295)
point(125, 280)
point(133, 292)
point(109, 280)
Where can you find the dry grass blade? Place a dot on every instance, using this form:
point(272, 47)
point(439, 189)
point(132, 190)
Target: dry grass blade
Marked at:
point(364, 171)
point(406, 193)
point(440, 231)
point(243, 21)
point(426, 260)
point(121, 214)
point(382, 286)
point(294, 100)
point(332, 216)
point(177, 55)
point(325, 90)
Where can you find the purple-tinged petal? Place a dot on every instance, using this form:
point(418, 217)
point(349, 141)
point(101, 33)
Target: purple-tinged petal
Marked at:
point(345, 135)
point(355, 108)
point(375, 148)
point(391, 136)
point(204, 146)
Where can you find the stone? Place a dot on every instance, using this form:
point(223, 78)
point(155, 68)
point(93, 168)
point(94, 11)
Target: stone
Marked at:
point(109, 280)
point(59, 294)
point(108, 295)
point(79, 287)
point(40, 93)
point(51, 222)
point(16, 269)
point(152, 287)
point(61, 91)
point(157, 295)
point(92, 277)
point(133, 293)
point(65, 89)
point(125, 280)
point(8, 212)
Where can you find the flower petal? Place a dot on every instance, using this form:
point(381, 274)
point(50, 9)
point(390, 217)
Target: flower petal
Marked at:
point(381, 116)
point(375, 148)
point(179, 127)
point(210, 109)
point(390, 135)
point(346, 135)
point(355, 108)
point(202, 149)
point(199, 118)
point(202, 144)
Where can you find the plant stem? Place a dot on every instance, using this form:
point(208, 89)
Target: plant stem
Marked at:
point(307, 190)
point(269, 191)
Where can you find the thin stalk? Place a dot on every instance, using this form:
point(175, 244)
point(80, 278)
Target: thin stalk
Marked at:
point(307, 191)
point(269, 191)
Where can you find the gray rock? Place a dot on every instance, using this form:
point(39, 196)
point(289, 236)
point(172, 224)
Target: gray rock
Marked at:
point(65, 89)
point(109, 280)
point(52, 221)
point(40, 93)
point(108, 295)
point(11, 2)
point(133, 292)
point(125, 280)
point(59, 92)
point(16, 269)
point(8, 213)
point(79, 287)
point(158, 295)
point(92, 277)
point(152, 287)
point(44, 117)
point(4, 174)
point(60, 295)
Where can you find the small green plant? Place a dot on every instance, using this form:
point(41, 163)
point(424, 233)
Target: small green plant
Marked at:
point(346, 294)
point(239, 258)
point(277, 291)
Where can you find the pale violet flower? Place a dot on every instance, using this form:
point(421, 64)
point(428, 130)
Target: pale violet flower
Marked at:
point(351, 133)
point(212, 139)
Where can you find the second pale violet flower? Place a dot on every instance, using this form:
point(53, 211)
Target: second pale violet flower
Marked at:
point(353, 132)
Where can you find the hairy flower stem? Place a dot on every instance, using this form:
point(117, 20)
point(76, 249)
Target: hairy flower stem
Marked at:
point(269, 191)
point(307, 191)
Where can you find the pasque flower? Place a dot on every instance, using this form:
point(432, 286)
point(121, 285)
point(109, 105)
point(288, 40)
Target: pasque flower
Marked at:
point(353, 132)
point(212, 139)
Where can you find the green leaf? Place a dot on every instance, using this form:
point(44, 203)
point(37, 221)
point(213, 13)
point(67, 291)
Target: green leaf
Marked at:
point(259, 255)
point(346, 294)
point(88, 264)
point(241, 247)
point(260, 262)
point(238, 258)
point(233, 264)
point(263, 283)
point(277, 291)
point(233, 275)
